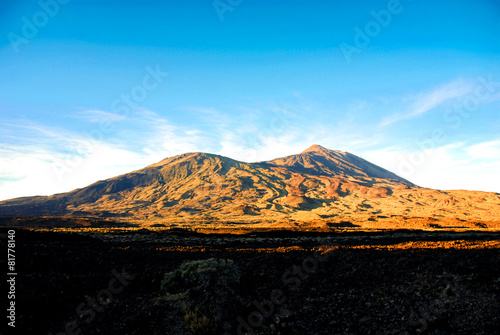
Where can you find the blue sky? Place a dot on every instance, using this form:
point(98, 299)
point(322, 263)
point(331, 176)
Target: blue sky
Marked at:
point(92, 89)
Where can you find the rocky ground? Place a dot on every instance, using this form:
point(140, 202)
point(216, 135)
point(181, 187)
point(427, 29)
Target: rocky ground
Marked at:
point(359, 283)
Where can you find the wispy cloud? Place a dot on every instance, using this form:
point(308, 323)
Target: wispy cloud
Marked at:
point(99, 116)
point(168, 139)
point(210, 116)
point(427, 101)
point(489, 150)
point(356, 106)
point(32, 134)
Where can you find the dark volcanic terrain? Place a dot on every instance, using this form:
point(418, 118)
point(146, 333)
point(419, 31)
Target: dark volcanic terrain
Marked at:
point(360, 283)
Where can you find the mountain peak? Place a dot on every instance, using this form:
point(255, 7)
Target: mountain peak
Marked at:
point(317, 160)
point(316, 148)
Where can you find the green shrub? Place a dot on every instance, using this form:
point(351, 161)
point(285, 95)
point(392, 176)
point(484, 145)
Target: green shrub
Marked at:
point(199, 324)
point(203, 273)
point(207, 289)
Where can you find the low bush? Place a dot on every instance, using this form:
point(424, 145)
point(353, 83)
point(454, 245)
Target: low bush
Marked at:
point(202, 273)
point(199, 324)
point(207, 290)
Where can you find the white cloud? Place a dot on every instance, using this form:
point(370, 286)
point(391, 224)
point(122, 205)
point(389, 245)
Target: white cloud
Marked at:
point(37, 172)
point(167, 139)
point(356, 105)
point(387, 158)
point(426, 101)
point(211, 116)
point(453, 166)
point(267, 149)
point(485, 150)
point(100, 116)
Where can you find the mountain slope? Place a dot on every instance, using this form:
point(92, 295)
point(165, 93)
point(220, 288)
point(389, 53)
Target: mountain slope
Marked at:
point(318, 186)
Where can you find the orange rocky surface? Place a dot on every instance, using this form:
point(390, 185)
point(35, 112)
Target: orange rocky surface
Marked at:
point(316, 188)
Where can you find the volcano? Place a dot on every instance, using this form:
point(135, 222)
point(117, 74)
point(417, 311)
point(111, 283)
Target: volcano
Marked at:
point(317, 186)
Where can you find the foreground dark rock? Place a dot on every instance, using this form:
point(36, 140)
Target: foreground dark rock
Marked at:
point(342, 289)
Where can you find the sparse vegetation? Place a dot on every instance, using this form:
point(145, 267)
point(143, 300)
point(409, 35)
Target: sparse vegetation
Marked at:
point(199, 324)
point(203, 273)
point(209, 286)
